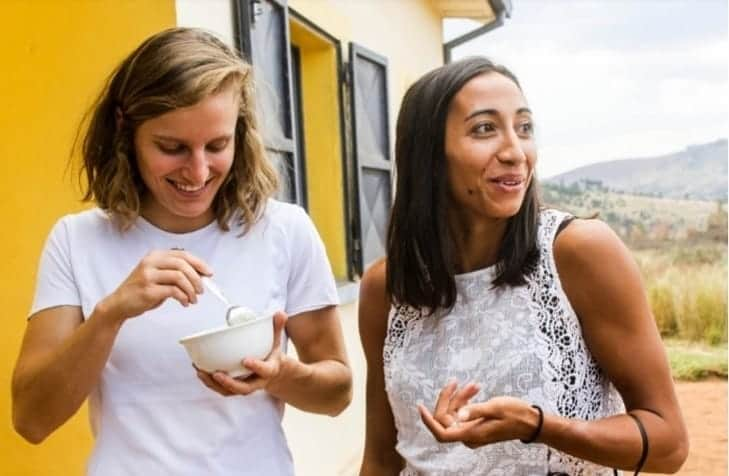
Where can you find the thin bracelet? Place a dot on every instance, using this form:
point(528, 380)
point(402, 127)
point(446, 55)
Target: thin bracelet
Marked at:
point(644, 442)
point(538, 429)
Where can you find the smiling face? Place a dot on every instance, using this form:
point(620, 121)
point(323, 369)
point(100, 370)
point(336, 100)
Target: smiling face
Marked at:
point(490, 149)
point(184, 157)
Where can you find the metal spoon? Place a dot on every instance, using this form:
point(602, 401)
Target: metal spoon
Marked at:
point(213, 288)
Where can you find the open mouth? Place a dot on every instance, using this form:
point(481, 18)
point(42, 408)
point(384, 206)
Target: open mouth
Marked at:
point(508, 180)
point(508, 183)
point(188, 188)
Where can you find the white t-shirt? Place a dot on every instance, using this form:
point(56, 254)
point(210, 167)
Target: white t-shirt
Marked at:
point(150, 414)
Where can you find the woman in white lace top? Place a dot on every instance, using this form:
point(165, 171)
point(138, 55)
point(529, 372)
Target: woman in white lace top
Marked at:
point(503, 338)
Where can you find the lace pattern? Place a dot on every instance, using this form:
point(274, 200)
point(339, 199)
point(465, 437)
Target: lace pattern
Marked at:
point(522, 341)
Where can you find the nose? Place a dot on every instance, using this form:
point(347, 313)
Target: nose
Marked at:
point(511, 150)
point(197, 167)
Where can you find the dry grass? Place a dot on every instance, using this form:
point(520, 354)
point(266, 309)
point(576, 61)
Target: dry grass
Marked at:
point(687, 289)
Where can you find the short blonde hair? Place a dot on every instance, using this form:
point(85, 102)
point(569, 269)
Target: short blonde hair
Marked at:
point(175, 68)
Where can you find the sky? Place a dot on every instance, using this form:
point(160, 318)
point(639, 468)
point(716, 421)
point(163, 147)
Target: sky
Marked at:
point(613, 79)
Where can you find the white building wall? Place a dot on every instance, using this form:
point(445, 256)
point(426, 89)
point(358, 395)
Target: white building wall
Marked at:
point(213, 15)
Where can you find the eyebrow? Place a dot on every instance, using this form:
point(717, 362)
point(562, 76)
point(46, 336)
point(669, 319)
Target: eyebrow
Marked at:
point(494, 112)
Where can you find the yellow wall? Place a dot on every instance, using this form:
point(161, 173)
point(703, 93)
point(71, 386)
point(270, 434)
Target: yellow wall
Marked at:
point(378, 26)
point(55, 56)
point(322, 138)
point(407, 32)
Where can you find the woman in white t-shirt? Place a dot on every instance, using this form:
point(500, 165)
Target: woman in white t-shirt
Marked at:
point(176, 166)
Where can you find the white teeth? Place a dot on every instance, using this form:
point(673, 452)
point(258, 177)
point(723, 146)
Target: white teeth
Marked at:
point(188, 188)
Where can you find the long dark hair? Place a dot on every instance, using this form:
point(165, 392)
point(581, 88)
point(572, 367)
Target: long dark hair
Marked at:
point(420, 252)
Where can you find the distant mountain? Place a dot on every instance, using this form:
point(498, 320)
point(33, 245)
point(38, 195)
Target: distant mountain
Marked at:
point(697, 173)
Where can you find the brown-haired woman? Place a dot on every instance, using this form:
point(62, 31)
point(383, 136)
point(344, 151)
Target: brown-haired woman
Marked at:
point(175, 164)
point(541, 317)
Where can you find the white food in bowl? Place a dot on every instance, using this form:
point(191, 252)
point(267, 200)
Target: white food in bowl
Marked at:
point(224, 348)
point(240, 315)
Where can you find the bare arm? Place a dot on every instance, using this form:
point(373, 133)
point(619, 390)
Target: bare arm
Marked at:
point(62, 356)
point(60, 362)
point(320, 381)
point(380, 456)
point(603, 285)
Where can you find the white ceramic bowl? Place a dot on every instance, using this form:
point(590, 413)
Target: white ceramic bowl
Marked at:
point(223, 348)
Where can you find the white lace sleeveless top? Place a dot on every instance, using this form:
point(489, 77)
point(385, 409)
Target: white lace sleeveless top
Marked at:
point(523, 341)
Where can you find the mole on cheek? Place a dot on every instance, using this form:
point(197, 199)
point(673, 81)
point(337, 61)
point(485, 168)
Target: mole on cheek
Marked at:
point(470, 191)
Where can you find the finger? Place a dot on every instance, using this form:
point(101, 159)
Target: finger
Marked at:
point(252, 380)
point(476, 411)
point(459, 432)
point(262, 368)
point(200, 266)
point(279, 324)
point(176, 278)
point(208, 381)
point(177, 294)
point(444, 399)
point(462, 396)
point(171, 262)
point(236, 386)
point(160, 292)
point(435, 427)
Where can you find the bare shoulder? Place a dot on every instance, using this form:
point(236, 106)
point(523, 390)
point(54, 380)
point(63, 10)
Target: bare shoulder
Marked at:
point(589, 250)
point(374, 306)
point(597, 271)
point(374, 281)
point(585, 241)
point(588, 253)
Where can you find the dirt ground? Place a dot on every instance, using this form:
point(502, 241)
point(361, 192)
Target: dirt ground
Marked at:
point(704, 406)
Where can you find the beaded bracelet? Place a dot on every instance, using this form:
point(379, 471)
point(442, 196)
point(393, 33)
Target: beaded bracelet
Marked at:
point(538, 429)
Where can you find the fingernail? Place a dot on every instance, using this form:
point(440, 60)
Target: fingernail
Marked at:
point(463, 414)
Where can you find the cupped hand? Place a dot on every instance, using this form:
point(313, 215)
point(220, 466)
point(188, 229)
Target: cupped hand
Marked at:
point(158, 276)
point(265, 372)
point(478, 424)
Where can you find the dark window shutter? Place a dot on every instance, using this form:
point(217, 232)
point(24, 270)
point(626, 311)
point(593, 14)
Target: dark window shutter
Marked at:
point(371, 146)
point(264, 39)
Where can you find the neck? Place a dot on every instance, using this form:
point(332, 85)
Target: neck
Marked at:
point(477, 240)
point(162, 219)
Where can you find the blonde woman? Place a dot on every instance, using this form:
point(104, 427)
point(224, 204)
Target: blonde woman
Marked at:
point(176, 167)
